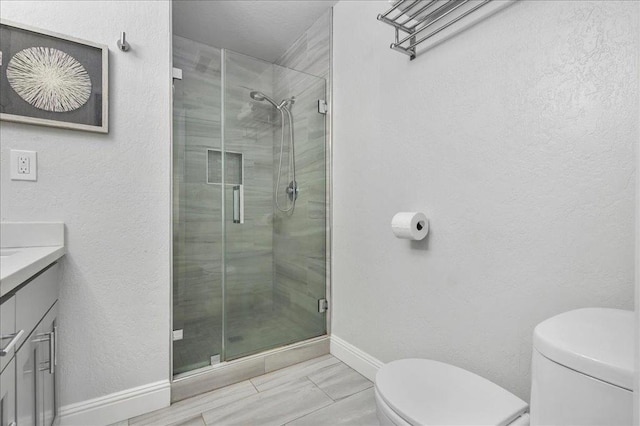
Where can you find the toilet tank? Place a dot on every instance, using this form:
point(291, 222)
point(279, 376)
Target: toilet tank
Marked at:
point(582, 368)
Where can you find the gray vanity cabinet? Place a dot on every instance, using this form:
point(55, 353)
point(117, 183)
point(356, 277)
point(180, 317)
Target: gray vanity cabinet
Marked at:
point(8, 394)
point(28, 382)
point(35, 386)
point(46, 350)
point(8, 341)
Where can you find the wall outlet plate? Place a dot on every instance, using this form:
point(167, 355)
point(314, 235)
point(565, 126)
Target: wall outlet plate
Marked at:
point(24, 165)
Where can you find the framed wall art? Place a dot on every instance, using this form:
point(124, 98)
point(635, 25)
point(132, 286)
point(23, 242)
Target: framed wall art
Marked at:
point(50, 79)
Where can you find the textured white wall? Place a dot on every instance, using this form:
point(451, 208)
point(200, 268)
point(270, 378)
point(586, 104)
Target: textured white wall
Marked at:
point(636, 412)
point(517, 138)
point(112, 192)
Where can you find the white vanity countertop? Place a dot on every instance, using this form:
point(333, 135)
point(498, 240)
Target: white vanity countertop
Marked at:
point(26, 249)
point(23, 263)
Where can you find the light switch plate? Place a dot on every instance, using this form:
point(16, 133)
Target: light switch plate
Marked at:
point(24, 165)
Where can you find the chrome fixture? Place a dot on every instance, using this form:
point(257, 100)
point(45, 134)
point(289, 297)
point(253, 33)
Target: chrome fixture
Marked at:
point(323, 108)
point(323, 305)
point(237, 204)
point(15, 338)
point(123, 45)
point(259, 96)
point(292, 189)
point(414, 17)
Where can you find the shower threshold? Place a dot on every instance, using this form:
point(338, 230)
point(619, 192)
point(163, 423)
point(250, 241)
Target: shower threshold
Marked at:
point(195, 382)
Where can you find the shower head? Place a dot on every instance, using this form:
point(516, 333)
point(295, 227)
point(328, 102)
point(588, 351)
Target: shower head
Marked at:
point(259, 96)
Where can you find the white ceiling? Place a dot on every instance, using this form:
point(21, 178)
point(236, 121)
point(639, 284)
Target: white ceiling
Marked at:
point(261, 28)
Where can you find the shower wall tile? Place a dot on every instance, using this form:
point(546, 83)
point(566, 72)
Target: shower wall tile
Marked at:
point(299, 241)
point(249, 254)
point(249, 246)
point(199, 90)
point(311, 52)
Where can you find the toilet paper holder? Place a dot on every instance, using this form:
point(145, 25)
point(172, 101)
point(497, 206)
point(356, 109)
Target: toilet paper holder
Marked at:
point(410, 225)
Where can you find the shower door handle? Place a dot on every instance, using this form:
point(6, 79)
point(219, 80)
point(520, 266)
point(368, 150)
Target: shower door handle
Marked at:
point(238, 216)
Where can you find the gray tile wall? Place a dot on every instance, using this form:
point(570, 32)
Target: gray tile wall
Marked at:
point(310, 53)
point(249, 249)
point(300, 239)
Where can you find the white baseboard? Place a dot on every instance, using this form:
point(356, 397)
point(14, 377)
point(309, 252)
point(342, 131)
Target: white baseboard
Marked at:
point(133, 402)
point(117, 406)
point(355, 358)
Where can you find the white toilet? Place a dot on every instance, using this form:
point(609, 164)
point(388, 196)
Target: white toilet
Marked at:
point(582, 375)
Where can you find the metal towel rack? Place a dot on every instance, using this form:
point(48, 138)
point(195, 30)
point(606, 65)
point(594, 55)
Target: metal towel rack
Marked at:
point(424, 18)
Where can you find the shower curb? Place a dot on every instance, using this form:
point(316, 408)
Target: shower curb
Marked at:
point(228, 373)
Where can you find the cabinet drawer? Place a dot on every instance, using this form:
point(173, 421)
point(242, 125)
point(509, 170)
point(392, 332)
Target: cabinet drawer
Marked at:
point(7, 330)
point(8, 394)
point(34, 299)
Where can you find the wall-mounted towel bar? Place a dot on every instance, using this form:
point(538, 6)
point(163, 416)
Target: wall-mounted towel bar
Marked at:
point(416, 21)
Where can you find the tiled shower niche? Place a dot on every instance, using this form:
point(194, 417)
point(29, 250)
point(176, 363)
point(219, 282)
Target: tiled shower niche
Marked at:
point(234, 167)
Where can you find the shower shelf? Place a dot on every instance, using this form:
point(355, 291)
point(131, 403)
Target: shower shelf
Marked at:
point(417, 21)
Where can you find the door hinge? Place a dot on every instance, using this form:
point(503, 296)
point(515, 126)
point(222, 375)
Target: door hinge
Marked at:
point(323, 305)
point(176, 73)
point(177, 334)
point(322, 106)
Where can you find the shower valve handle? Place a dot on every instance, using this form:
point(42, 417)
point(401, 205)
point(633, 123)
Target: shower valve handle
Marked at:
point(292, 190)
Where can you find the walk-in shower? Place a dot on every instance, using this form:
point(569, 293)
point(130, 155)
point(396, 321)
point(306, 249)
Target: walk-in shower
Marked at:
point(249, 207)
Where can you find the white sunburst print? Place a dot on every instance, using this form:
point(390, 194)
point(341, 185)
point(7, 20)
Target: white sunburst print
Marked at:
point(49, 79)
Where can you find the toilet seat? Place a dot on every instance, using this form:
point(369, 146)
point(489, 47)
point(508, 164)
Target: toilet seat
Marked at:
point(427, 392)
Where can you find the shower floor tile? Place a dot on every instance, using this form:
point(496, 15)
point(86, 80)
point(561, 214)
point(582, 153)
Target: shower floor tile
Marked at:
point(323, 391)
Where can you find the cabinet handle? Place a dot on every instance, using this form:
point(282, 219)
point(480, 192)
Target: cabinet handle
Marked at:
point(53, 350)
point(51, 338)
point(15, 337)
point(236, 204)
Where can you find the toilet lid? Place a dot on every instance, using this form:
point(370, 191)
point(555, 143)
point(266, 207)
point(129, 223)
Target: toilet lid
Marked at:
point(426, 392)
point(597, 342)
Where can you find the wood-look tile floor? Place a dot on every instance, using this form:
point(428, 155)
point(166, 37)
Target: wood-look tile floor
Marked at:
point(321, 391)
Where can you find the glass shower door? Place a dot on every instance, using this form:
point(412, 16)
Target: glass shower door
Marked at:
point(274, 261)
point(197, 208)
point(247, 276)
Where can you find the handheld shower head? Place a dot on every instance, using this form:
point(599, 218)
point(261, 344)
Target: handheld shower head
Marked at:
point(259, 96)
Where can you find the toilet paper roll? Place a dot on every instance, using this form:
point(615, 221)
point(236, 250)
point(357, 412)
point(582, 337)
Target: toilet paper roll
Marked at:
point(410, 225)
